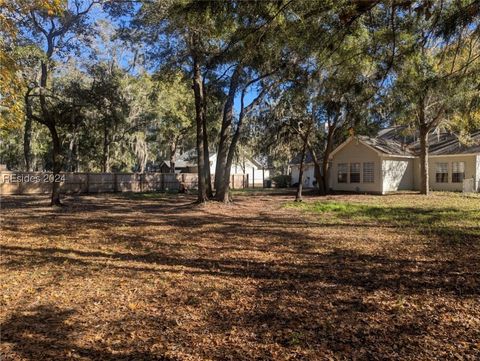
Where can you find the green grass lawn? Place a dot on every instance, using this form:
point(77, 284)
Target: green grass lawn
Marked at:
point(452, 216)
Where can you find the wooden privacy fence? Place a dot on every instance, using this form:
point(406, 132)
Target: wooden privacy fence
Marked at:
point(41, 182)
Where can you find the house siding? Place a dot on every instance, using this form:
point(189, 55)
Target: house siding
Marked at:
point(356, 152)
point(247, 168)
point(253, 172)
point(477, 178)
point(397, 174)
point(308, 175)
point(470, 170)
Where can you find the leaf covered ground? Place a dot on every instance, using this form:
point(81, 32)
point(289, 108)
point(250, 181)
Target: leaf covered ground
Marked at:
point(155, 277)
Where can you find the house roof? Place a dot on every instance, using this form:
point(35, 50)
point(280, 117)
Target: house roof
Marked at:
point(400, 141)
point(455, 146)
point(386, 146)
point(445, 143)
point(308, 158)
point(400, 133)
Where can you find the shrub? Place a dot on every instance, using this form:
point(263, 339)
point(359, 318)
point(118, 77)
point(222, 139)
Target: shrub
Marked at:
point(282, 181)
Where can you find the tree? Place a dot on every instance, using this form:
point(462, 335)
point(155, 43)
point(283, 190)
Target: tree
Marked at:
point(12, 51)
point(107, 97)
point(437, 76)
point(211, 39)
point(53, 32)
point(174, 108)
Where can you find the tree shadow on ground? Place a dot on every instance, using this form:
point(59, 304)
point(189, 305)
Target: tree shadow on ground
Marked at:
point(338, 268)
point(308, 295)
point(46, 332)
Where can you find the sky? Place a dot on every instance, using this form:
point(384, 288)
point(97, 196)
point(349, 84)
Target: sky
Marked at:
point(125, 54)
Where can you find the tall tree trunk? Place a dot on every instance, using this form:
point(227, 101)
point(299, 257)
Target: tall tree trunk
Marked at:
point(57, 166)
point(325, 176)
point(298, 196)
point(223, 194)
point(49, 121)
point(27, 141)
point(206, 152)
point(227, 119)
point(199, 109)
point(27, 135)
point(424, 178)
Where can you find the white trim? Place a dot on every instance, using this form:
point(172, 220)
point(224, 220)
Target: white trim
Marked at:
point(384, 155)
point(452, 155)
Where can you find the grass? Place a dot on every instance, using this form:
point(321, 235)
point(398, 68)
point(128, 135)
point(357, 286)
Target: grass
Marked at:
point(451, 216)
point(156, 277)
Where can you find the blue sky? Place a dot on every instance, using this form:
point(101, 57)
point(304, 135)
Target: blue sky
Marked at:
point(97, 15)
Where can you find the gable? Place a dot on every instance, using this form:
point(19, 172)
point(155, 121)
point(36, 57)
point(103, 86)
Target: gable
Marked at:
point(353, 148)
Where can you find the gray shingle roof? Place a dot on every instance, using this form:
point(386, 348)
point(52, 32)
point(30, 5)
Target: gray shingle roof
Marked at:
point(455, 146)
point(387, 146)
point(400, 141)
point(308, 158)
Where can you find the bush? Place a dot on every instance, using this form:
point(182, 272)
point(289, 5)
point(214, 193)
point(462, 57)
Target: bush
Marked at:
point(282, 181)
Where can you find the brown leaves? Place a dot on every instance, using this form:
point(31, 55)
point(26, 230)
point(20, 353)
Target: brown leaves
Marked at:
point(161, 279)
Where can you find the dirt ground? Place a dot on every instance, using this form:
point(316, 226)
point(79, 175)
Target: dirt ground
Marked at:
point(155, 277)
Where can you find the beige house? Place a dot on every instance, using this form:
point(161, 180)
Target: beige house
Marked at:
point(389, 162)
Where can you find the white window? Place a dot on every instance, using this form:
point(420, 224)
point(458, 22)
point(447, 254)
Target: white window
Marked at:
point(441, 174)
point(354, 172)
point(342, 172)
point(458, 172)
point(368, 172)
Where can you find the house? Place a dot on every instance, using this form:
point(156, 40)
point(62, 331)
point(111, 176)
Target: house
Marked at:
point(187, 163)
point(309, 180)
point(390, 162)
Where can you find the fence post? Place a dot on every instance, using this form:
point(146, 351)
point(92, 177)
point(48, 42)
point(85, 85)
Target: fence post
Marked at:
point(253, 177)
point(263, 177)
point(247, 180)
